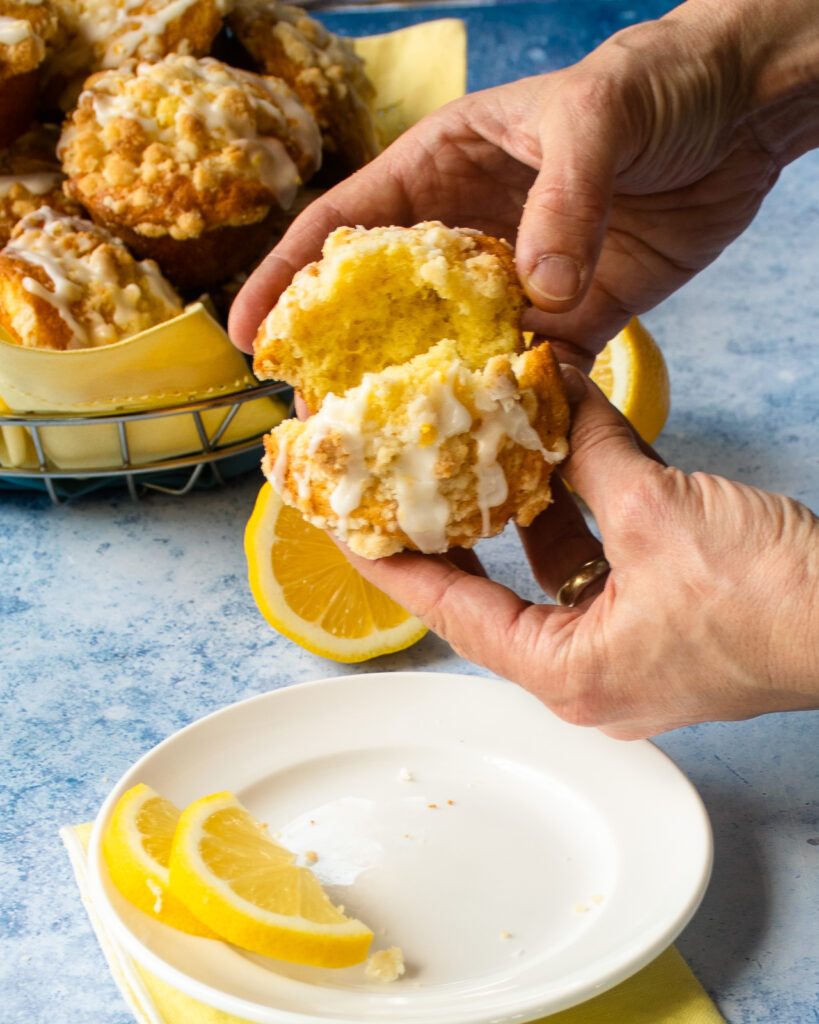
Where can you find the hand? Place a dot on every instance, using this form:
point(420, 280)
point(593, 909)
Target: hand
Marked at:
point(710, 612)
point(618, 178)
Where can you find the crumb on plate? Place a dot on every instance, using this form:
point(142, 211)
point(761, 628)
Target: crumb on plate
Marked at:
point(385, 965)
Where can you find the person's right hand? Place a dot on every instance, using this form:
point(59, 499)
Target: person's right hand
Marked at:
point(618, 178)
point(710, 612)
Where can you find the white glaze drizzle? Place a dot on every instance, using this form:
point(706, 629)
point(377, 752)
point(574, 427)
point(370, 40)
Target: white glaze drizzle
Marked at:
point(200, 86)
point(14, 30)
point(51, 255)
point(501, 417)
point(152, 24)
point(344, 417)
point(422, 510)
point(35, 184)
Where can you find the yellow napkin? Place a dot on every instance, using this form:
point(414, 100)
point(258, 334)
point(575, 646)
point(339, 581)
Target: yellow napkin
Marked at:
point(415, 70)
point(665, 992)
point(190, 358)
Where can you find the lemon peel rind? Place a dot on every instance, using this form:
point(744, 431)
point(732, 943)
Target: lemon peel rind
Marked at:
point(643, 397)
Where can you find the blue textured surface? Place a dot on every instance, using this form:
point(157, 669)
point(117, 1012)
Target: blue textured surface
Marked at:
point(120, 623)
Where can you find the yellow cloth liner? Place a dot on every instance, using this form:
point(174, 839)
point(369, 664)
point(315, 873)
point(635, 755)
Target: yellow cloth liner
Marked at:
point(664, 992)
point(182, 360)
point(190, 358)
point(415, 70)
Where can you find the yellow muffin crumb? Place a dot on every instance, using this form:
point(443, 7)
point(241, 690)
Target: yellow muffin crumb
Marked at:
point(379, 297)
point(386, 965)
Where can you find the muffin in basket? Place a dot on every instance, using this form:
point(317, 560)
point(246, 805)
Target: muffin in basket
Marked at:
point(26, 27)
point(31, 177)
point(322, 68)
point(191, 162)
point(433, 426)
point(97, 34)
point(66, 283)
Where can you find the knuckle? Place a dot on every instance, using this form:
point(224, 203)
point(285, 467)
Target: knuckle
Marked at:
point(592, 93)
point(590, 440)
point(438, 613)
point(642, 508)
point(574, 197)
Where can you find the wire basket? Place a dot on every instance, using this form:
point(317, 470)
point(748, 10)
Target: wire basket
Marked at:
point(210, 464)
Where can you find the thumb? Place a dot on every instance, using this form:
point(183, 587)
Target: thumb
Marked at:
point(564, 219)
point(605, 454)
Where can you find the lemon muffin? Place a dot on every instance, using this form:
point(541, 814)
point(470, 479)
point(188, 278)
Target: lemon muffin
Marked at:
point(381, 296)
point(66, 283)
point(426, 455)
point(322, 68)
point(31, 177)
point(26, 27)
point(189, 161)
point(97, 34)
point(432, 425)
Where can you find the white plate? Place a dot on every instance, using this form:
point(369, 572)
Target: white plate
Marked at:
point(554, 863)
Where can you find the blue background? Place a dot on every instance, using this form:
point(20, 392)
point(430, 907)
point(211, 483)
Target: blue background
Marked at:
point(122, 622)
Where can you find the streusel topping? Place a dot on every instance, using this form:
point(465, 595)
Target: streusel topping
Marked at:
point(98, 291)
point(185, 144)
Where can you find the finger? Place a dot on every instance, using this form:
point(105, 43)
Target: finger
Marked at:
point(302, 412)
point(604, 456)
point(466, 560)
point(576, 354)
point(482, 620)
point(301, 244)
point(564, 219)
point(558, 542)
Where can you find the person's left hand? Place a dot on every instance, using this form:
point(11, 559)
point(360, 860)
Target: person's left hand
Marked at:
point(710, 611)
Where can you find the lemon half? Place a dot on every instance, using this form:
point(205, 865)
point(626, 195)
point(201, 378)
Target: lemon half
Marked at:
point(632, 373)
point(307, 590)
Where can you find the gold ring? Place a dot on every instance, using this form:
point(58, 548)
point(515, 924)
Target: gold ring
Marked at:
point(569, 593)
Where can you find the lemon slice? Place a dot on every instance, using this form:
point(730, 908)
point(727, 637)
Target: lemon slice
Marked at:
point(229, 873)
point(307, 590)
point(136, 847)
point(632, 374)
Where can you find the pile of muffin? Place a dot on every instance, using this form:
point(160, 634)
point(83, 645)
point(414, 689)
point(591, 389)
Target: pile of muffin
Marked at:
point(151, 150)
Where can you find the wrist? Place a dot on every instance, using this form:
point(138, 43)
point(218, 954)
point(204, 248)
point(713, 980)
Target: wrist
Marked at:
point(794, 580)
point(776, 46)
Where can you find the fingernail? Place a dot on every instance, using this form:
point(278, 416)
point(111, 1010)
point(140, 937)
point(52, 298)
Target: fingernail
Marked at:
point(574, 382)
point(556, 278)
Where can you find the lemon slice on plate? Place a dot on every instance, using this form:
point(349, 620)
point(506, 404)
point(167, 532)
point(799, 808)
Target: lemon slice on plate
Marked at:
point(230, 873)
point(136, 847)
point(307, 590)
point(632, 374)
